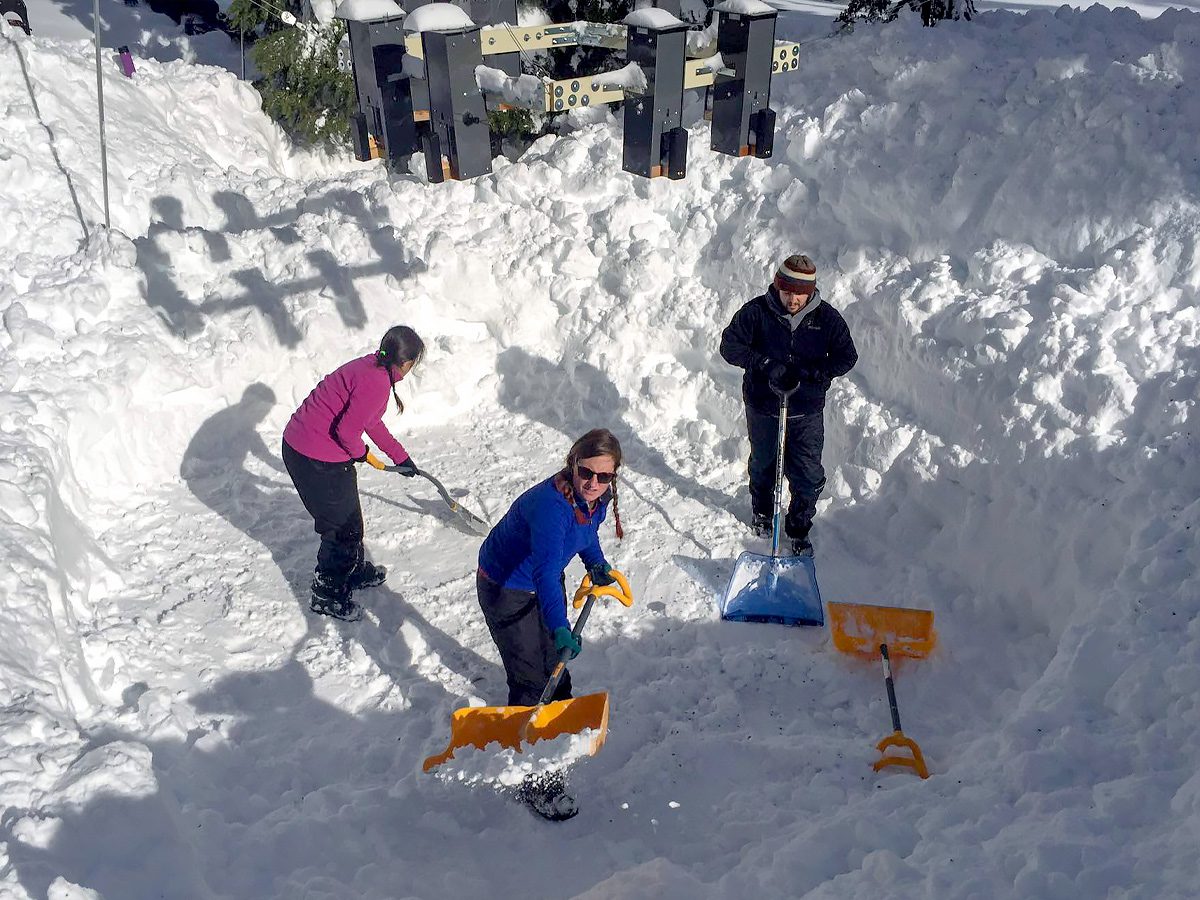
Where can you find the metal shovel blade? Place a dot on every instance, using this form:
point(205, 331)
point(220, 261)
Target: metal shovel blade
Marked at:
point(479, 726)
point(777, 589)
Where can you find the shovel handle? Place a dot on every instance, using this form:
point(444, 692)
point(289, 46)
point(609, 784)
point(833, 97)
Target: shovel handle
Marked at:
point(622, 591)
point(565, 654)
point(891, 687)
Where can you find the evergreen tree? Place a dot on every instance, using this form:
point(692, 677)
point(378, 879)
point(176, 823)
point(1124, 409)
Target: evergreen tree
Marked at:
point(932, 11)
point(303, 86)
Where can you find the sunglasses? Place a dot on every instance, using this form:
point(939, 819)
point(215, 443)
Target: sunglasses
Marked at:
point(587, 474)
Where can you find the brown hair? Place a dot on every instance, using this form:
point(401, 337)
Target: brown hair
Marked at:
point(399, 345)
point(597, 442)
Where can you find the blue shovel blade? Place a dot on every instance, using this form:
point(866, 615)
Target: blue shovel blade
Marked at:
point(779, 589)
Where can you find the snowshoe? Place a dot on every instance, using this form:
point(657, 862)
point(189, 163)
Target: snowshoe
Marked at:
point(330, 598)
point(547, 796)
point(365, 575)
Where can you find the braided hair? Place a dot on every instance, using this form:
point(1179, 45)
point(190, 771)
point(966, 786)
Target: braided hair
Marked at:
point(399, 345)
point(598, 442)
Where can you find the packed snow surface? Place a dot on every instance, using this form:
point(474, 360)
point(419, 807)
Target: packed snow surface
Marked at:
point(1006, 211)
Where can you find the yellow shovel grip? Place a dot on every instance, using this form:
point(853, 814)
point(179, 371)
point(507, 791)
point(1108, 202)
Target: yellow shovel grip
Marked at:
point(375, 461)
point(620, 591)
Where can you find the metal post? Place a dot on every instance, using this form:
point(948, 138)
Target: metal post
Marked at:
point(742, 122)
point(457, 117)
point(242, 42)
point(655, 141)
point(100, 97)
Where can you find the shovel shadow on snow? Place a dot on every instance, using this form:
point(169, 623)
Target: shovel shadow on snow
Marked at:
point(574, 398)
point(434, 509)
point(284, 245)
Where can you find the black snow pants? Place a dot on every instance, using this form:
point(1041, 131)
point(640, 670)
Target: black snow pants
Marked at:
point(329, 491)
point(526, 647)
point(802, 468)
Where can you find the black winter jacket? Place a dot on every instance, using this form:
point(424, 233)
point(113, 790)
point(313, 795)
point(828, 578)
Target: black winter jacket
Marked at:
point(760, 336)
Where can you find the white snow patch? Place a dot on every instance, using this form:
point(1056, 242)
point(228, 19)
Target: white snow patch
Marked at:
point(368, 10)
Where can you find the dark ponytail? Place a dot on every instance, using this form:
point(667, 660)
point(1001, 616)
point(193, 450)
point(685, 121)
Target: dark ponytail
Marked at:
point(400, 345)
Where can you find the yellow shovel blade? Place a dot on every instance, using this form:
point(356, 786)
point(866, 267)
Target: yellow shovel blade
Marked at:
point(478, 726)
point(860, 628)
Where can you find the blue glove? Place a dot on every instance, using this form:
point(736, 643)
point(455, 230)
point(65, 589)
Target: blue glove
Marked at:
point(564, 639)
point(601, 575)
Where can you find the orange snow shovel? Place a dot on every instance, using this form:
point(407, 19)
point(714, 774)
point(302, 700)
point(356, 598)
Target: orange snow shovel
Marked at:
point(859, 628)
point(897, 738)
point(513, 726)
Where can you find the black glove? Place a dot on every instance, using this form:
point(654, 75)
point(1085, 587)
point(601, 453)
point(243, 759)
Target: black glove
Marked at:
point(777, 378)
point(601, 575)
point(783, 378)
point(408, 468)
point(814, 375)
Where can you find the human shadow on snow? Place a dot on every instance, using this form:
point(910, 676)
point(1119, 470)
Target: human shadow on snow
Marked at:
point(574, 397)
point(258, 286)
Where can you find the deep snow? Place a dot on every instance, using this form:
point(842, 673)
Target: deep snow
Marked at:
point(1007, 214)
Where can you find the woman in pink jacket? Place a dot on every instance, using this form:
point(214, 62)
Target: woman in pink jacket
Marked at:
point(322, 442)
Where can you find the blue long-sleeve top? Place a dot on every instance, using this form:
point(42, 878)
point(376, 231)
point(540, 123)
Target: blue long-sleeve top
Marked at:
point(530, 547)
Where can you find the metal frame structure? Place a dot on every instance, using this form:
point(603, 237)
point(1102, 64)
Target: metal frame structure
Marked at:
point(421, 90)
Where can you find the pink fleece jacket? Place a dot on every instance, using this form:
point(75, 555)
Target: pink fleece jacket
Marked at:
point(329, 424)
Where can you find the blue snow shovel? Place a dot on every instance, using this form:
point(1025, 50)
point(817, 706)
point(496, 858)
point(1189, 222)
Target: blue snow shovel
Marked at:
point(776, 588)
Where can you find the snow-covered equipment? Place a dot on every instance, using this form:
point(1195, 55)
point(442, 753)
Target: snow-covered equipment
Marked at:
point(15, 14)
point(515, 726)
point(860, 628)
point(468, 518)
point(422, 83)
point(897, 738)
point(776, 588)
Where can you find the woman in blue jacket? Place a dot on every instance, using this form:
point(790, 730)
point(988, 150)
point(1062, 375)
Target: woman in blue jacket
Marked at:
point(521, 564)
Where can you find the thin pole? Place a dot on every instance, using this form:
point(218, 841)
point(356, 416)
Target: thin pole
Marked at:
point(242, 37)
point(100, 96)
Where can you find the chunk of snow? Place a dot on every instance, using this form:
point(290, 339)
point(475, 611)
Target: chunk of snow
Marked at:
point(524, 90)
point(437, 17)
point(368, 10)
point(651, 18)
point(744, 7)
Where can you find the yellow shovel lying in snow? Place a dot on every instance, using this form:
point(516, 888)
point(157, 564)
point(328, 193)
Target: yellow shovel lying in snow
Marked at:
point(512, 726)
point(859, 628)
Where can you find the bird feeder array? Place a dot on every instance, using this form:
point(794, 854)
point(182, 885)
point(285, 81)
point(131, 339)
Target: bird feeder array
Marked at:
point(427, 73)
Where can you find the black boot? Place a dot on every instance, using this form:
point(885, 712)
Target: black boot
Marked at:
point(802, 547)
point(332, 598)
point(546, 794)
point(365, 575)
point(762, 525)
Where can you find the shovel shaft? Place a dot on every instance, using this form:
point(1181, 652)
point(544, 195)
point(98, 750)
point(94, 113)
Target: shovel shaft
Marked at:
point(891, 687)
point(565, 653)
point(777, 521)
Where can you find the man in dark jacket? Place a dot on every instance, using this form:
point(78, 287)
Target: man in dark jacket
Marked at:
point(788, 339)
